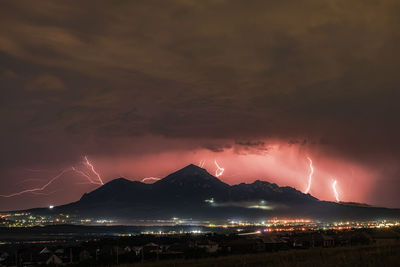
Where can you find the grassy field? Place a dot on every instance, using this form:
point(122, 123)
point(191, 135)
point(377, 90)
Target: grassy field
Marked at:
point(373, 255)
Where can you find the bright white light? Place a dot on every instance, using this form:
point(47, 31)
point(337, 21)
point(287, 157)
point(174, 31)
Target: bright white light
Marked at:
point(51, 207)
point(335, 191)
point(219, 171)
point(309, 176)
point(211, 200)
point(150, 179)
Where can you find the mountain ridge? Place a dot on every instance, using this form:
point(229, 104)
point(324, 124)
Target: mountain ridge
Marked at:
point(192, 192)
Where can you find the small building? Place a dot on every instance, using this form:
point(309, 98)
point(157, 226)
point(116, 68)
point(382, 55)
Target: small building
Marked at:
point(360, 238)
point(274, 243)
point(152, 248)
point(209, 246)
point(176, 248)
point(313, 240)
point(327, 241)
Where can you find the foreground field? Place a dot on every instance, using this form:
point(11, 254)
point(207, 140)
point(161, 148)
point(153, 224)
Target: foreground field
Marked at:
point(373, 255)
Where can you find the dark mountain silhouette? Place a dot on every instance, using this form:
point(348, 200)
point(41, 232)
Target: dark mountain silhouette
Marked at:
point(192, 192)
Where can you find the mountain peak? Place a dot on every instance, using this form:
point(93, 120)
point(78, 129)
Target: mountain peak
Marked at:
point(191, 168)
point(191, 174)
point(120, 180)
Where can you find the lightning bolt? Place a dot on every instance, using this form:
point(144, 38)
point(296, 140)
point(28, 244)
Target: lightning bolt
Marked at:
point(38, 190)
point(201, 164)
point(219, 171)
point(335, 191)
point(309, 176)
point(150, 179)
point(85, 175)
point(93, 170)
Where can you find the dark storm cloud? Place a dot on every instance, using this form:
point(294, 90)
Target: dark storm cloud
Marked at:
point(250, 143)
point(45, 82)
point(217, 147)
point(287, 70)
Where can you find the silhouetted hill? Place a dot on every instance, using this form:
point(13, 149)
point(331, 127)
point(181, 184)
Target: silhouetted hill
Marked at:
point(192, 176)
point(354, 204)
point(191, 184)
point(192, 192)
point(270, 192)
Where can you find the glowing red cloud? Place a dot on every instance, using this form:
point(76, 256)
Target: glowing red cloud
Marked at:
point(281, 163)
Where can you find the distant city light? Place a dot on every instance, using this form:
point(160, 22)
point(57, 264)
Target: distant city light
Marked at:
point(51, 207)
point(211, 200)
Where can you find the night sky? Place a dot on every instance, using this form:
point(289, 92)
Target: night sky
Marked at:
point(143, 88)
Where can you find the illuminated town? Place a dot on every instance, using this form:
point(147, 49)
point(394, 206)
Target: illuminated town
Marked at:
point(65, 239)
point(26, 219)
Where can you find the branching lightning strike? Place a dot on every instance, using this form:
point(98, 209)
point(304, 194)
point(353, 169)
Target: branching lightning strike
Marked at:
point(85, 175)
point(219, 171)
point(93, 170)
point(38, 190)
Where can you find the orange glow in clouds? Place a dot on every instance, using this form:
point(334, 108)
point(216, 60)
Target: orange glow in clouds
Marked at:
point(282, 164)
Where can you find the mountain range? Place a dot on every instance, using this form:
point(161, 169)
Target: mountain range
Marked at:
point(192, 192)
